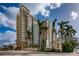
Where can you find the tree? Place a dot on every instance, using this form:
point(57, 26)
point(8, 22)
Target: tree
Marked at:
point(69, 32)
point(10, 47)
point(53, 25)
point(62, 30)
point(42, 28)
point(53, 29)
point(69, 45)
point(62, 27)
point(5, 46)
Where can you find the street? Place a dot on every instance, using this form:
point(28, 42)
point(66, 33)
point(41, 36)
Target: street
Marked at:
point(35, 53)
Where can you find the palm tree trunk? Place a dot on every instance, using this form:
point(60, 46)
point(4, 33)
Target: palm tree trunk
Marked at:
point(61, 39)
point(39, 39)
point(52, 39)
point(62, 36)
point(32, 33)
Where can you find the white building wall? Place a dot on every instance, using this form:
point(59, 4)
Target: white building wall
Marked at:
point(29, 22)
point(49, 35)
point(35, 31)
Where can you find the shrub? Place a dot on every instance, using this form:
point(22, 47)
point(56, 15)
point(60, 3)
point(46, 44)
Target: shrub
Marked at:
point(48, 50)
point(56, 50)
point(69, 45)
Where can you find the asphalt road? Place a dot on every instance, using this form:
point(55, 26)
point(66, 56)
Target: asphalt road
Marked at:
point(35, 53)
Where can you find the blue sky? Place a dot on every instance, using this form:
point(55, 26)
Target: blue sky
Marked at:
point(8, 12)
point(60, 11)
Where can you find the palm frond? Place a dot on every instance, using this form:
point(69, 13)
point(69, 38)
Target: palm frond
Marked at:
point(54, 22)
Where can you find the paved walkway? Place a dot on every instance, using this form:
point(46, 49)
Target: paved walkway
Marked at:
point(34, 53)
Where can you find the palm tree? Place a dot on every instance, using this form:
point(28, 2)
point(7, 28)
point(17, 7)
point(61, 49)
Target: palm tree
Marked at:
point(69, 31)
point(42, 28)
point(62, 27)
point(53, 29)
point(53, 25)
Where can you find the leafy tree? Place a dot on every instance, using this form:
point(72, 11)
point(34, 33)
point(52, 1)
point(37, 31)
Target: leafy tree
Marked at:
point(7, 47)
point(10, 47)
point(69, 45)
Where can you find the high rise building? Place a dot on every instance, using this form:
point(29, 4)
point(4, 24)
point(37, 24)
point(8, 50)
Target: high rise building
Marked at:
point(27, 28)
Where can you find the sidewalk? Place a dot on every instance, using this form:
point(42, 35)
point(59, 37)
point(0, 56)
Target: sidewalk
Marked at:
point(35, 53)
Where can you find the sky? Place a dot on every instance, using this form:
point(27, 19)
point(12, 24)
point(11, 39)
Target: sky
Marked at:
point(8, 14)
point(61, 11)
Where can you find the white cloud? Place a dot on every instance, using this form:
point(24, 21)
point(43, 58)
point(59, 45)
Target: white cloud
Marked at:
point(5, 18)
point(36, 8)
point(11, 24)
point(45, 13)
point(42, 10)
point(74, 15)
point(55, 5)
point(8, 20)
point(12, 10)
point(7, 37)
point(40, 7)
